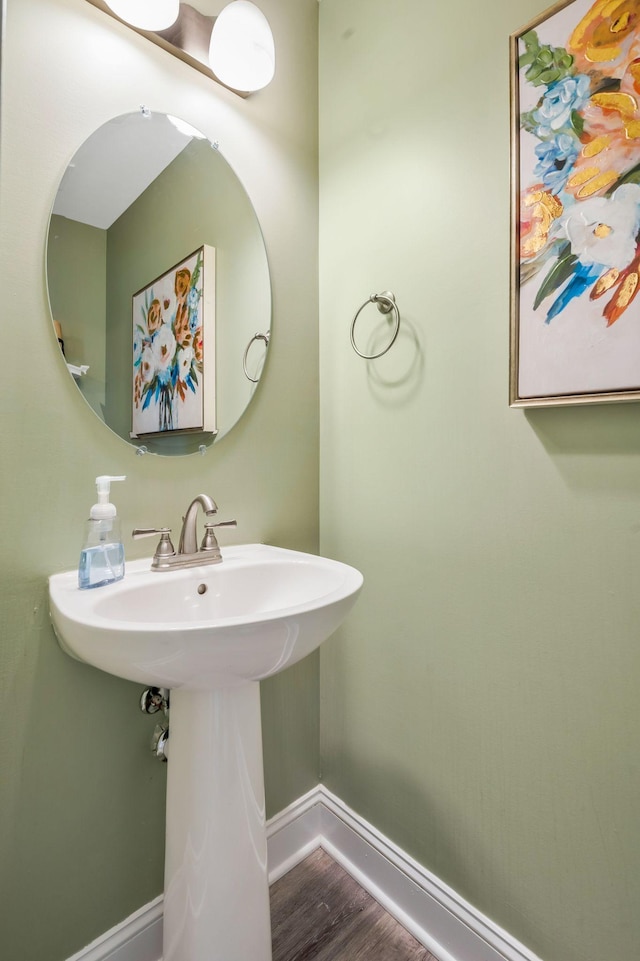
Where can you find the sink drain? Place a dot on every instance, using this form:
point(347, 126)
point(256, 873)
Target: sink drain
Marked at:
point(202, 588)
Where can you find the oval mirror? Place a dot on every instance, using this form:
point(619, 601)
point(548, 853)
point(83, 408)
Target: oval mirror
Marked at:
point(158, 283)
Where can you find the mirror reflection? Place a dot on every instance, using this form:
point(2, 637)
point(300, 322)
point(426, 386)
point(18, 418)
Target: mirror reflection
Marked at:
point(158, 283)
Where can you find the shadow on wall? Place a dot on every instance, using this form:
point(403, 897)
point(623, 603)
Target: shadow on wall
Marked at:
point(396, 377)
point(585, 442)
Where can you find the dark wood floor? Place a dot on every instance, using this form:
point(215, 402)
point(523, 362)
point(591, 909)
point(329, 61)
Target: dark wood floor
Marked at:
point(319, 913)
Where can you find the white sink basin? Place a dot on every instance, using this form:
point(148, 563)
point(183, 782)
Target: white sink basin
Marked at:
point(210, 634)
point(260, 610)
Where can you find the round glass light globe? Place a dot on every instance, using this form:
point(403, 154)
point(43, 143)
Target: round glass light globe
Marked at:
point(242, 52)
point(146, 14)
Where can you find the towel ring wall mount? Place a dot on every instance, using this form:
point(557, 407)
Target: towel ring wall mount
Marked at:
point(385, 302)
point(263, 337)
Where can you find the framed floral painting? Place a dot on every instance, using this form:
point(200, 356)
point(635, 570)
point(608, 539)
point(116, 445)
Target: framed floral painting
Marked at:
point(174, 349)
point(575, 314)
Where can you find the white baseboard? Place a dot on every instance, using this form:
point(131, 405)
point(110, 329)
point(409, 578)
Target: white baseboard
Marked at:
point(138, 938)
point(438, 918)
point(451, 928)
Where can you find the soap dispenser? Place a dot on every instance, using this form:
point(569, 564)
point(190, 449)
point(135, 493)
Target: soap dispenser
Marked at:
point(102, 556)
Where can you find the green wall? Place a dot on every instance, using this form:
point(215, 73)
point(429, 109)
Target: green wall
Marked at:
point(81, 799)
point(215, 211)
point(480, 706)
point(77, 280)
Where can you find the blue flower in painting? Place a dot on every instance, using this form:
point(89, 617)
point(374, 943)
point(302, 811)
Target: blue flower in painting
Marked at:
point(137, 347)
point(585, 275)
point(193, 298)
point(559, 102)
point(163, 374)
point(555, 159)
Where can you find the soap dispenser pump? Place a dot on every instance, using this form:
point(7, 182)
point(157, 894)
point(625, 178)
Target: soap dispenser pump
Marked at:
point(102, 555)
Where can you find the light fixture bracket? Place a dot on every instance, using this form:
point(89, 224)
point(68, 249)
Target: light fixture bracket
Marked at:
point(188, 38)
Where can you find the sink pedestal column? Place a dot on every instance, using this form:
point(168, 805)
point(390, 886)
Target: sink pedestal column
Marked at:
point(216, 903)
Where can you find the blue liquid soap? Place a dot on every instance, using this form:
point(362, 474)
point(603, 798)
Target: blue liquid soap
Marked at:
point(102, 556)
point(100, 565)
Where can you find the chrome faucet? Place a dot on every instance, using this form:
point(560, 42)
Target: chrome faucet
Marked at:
point(166, 558)
point(188, 543)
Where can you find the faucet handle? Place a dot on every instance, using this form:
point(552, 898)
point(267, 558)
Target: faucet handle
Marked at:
point(165, 548)
point(209, 542)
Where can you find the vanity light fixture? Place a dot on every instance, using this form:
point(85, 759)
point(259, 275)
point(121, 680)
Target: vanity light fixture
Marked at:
point(242, 51)
point(146, 14)
point(235, 48)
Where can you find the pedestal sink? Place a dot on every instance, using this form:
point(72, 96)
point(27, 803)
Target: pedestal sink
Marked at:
point(210, 634)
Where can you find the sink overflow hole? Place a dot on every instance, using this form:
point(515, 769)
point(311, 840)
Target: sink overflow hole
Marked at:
point(202, 588)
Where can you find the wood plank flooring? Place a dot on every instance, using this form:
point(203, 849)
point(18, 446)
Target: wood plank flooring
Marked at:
point(319, 913)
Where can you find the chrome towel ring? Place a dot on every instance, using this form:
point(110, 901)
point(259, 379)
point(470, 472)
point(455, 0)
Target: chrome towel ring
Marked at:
point(265, 338)
point(386, 302)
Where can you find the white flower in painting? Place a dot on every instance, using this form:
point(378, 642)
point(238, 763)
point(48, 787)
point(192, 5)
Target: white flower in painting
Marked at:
point(604, 230)
point(164, 348)
point(147, 365)
point(184, 359)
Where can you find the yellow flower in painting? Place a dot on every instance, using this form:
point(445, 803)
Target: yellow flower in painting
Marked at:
point(611, 137)
point(154, 316)
point(198, 347)
point(181, 324)
point(182, 283)
point(606, 35)
point(626, 282)
point(538, 210)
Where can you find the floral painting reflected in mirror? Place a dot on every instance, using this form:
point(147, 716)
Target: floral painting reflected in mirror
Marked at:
point(173, 349)
point(575, 313)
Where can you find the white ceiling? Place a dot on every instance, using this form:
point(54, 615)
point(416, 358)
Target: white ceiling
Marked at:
point(114, 166)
